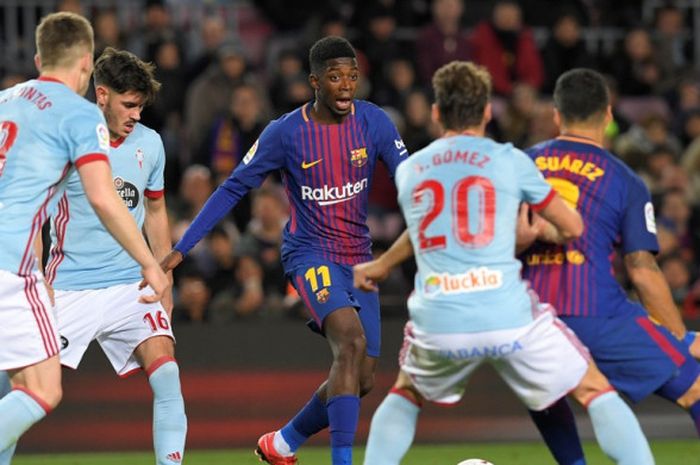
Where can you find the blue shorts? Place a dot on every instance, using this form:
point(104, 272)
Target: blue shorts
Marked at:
point(637, 355)
point(325, 286)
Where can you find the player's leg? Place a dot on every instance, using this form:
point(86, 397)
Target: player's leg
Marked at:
point(36, 391)
point(313, 417)
point(139, 336)
point(29, 340)
point(394, 422)
point(157, 357)
point(346, 338)
point(557, 425)
point(616, 428)
point(5, 388)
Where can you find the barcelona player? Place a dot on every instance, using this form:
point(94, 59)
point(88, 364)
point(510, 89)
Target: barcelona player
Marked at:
point(641, 348)
point(460, 197)
point(327, 151)
point(47, 132)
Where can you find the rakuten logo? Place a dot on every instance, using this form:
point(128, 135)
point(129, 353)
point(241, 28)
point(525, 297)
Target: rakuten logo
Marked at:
point(327, 195)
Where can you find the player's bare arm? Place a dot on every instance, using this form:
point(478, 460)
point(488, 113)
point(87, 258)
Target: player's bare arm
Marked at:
point(158, 234)
point(650, 284)
point(97, 181)
point(563, 225)
point(367, 275)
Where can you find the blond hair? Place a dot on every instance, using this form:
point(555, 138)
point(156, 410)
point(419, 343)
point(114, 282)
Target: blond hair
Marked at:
point(462, 90)
point(62, 38)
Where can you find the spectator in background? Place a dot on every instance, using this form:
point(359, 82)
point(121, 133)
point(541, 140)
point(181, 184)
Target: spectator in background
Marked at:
point(443, 40)
point(379, 43)
point(507, 49)
point(195, 188)
point(515, 122)
point(419, 130)
point(230, 139)
point(565, 50)
point(107, 31)
point(12, 78)
point(261, 243)
point(290, 87)
point(157, 28)
point(674, 216)
point(656, 163)
point(192, 300)
point(690, 161)
point(674, 50)
point(209, 96)
point(213, 34)
point(675, 270)
point(399, 81)
point(637, 143)
point(635, 66)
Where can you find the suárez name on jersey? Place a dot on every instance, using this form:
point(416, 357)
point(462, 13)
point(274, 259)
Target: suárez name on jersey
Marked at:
point(328, 195)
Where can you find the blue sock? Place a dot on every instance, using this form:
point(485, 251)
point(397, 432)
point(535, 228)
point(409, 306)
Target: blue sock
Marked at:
point(343, 413)
point(311, 419)
point(618, 432)
point(694, 412)
point(169, 420)
point(394, 422)
point(557, 426)
point(5, 388)
point(18, 412)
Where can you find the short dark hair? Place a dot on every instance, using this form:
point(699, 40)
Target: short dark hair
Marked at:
point(123, 71)
point(328, 48)
point(462, 90)
point(580, 94)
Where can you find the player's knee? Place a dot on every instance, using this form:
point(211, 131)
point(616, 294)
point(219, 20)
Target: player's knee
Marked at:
point(366, 384)
point(353, 348)
point(593, 384)
point(48, 396)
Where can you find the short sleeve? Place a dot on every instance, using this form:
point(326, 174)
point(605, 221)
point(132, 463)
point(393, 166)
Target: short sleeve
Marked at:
point(390, 147)
point(156, 182)
point(638, 222)
point(266, 154)
point(533, 187)
point(85, 135)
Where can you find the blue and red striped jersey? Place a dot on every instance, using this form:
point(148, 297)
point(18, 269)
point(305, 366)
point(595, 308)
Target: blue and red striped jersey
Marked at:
point(326, 170)
point(578, 278)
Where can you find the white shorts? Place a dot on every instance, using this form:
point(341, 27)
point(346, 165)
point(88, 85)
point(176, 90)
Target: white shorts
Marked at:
point(541, 361)
point(28, 330)
point(114, 317)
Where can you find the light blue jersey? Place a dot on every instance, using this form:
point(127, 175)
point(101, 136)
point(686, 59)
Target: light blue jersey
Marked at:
point(460, 197)
point(83, 254)
point(46, 129)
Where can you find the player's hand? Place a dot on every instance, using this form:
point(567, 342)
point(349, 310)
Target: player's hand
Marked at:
point(694, 344)
point(527, 229)
point(367, 275)
point(169, 263)
point(154, 277)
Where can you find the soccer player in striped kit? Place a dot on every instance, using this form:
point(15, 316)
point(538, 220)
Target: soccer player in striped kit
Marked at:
point(326, 151)
point(641, 348)
point(460, 197)
point(48, 131)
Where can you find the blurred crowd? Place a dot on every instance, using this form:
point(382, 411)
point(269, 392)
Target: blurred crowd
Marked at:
point(221, 85)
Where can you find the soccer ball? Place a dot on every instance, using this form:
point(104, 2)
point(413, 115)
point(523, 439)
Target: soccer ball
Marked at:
point(475, 462)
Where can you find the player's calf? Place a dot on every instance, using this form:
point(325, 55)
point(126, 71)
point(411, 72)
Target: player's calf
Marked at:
point(616, 428)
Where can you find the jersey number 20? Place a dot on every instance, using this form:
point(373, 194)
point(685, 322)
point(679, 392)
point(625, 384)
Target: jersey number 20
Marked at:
point(460, 212)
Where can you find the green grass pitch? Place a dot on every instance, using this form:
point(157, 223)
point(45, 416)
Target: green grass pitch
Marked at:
point(685, 452)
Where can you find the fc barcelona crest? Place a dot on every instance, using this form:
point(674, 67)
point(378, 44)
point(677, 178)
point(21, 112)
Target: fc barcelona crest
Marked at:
point(358, 157)
point(322, 296)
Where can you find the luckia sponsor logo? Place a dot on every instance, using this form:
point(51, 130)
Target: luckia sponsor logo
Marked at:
point(328, 195)
point(473, 280)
